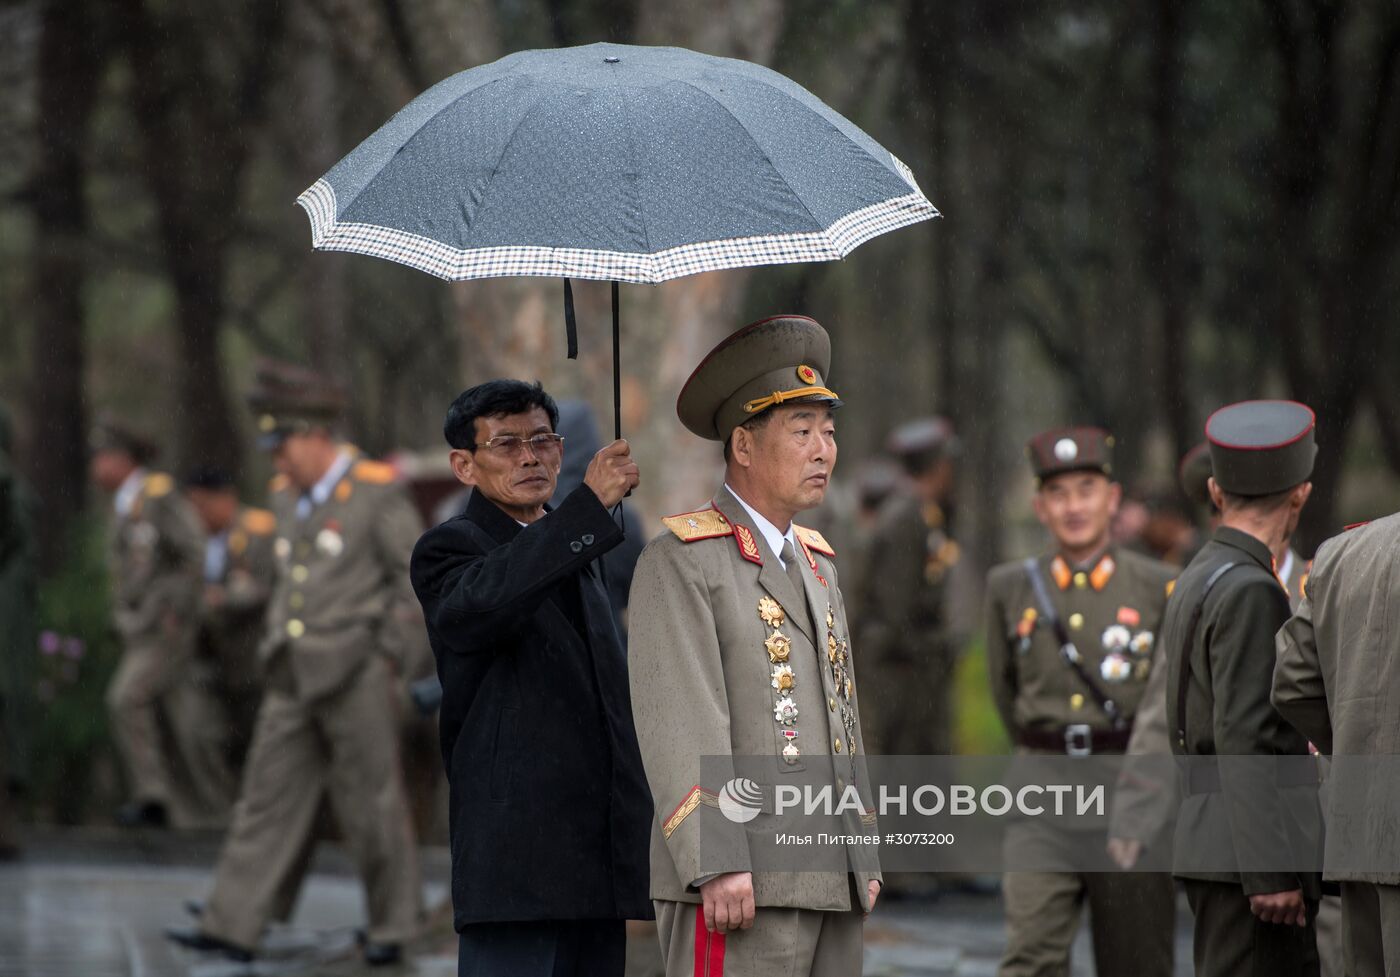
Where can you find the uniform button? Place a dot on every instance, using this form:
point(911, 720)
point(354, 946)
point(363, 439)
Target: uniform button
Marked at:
point(1076, 621)
point(297, 601)
point(576, 546)
point(1081, 580)
point(296, 628)
point(1076, 702)
point(838, 746)
point(303, 548)
point(588, 539)
point(831, 704)
point(300, 573)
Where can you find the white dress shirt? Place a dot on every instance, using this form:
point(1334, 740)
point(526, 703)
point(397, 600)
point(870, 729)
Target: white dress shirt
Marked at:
point(771, 534)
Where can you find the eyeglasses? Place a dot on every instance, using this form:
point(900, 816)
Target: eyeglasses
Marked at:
point(509, 446)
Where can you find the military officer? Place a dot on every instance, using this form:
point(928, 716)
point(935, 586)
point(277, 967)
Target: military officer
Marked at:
point(239, 571)
point(740, 647)
point(327, 725)
point(155, 552)
point(1103, 605)
point(18, 596)
point(1335, 680)
point(908, 646)
point(1219, 635)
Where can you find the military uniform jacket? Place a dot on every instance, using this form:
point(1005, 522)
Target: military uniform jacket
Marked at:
point(236, 626)
point(904, 591)
point(549, 807)
point(342, 592)
point(1229, 670)
point(728, 660)
point(1112, 610)
point(156, 555)
point(1337, 680)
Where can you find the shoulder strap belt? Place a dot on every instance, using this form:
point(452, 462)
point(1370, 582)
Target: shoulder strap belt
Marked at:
point(1184, 677)
point(1068, 651)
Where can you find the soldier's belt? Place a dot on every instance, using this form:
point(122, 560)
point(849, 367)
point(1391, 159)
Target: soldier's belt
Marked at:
point(1204, 778)
point(1077, 739)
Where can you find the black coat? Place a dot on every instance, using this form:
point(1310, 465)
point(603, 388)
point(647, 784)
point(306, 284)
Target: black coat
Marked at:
point(549, 806)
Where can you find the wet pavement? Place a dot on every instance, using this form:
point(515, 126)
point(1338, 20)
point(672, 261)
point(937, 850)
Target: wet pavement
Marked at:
point(95, 904)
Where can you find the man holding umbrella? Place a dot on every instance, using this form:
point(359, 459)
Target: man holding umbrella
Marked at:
point(740, 648)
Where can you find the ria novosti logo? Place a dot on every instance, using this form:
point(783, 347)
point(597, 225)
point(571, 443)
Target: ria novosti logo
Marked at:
point(740, 800)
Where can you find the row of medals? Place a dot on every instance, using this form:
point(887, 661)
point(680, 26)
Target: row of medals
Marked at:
point(783, 680)
point(1127, 655)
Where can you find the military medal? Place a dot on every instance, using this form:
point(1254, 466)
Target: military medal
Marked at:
point(330, 542)
point(1116, 638)
point(283, 548)
point(783, 678)
point(831, 648)
point(771, 612)
point(1141, 644)
point(790, 750)
point(1115, 668)
point(779, 647)
point(785, 710)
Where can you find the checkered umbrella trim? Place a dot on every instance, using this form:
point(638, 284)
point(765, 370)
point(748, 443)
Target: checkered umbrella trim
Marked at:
point(455, 264)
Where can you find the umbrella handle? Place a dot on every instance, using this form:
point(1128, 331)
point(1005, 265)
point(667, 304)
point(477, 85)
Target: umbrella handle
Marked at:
point(617, 380)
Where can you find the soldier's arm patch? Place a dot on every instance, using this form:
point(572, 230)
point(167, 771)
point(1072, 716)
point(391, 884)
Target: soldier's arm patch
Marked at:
point(703, 524)
point(159, 484)
point(374, 472)
point(697, 796)
point(259, 522)
point(814, 540)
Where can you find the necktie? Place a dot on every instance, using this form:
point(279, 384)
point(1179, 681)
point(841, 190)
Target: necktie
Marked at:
point(794, 569)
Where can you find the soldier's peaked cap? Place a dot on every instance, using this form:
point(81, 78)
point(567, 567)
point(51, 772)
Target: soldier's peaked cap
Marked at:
point(1070, 449)
point(1259, 447)
point(288, 399)
point(781, 360)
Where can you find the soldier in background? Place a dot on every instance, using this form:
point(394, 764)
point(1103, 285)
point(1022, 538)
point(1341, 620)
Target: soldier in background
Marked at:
point(18, 596)
point(1071, 637)
point(239, 571)
point(903, 631)
point(337, 626)
point(156, 555)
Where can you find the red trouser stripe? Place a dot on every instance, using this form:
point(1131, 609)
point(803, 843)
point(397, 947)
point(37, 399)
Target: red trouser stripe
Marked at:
point(709, 948)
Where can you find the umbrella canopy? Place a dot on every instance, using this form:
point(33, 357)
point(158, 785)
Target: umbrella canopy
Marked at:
point(612, 162)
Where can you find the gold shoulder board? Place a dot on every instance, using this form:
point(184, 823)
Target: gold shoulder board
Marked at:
point(814, 540)
point(373, 472)
point(703, 524)
point(159, 484)
point(259, 522)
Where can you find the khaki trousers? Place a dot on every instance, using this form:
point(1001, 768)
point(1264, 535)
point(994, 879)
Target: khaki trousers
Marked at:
point(1372, 914)
point(1230, 941)
point(781, 943)
point(155, 680)
point(344, 745)
point(1331, 938)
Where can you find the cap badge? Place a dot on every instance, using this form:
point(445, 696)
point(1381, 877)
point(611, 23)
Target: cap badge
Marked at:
point(807, 375)
point(267, 423)
point(1066, 450)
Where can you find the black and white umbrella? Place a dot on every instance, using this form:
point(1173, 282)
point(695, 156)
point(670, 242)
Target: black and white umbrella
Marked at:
point(612, 162)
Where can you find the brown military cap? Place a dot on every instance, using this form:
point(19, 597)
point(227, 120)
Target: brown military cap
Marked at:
point(1193, 474)
point(288, 399)
point(111, 434)
point(770, 362)
point(1070, 449)
point(1259, 447)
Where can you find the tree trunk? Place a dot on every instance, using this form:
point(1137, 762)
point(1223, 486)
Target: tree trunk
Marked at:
point(69, 65)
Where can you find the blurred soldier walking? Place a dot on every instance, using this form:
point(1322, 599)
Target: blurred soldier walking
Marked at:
point(1336, 681)
point(239, 572)
point(18, 595)
point(1219, 634)
point(908, 645)
point(156, 555)
point(1070, 641)
point(328, 723)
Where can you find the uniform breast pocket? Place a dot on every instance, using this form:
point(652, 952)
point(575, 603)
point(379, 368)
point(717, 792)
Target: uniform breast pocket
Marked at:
point(504, 753)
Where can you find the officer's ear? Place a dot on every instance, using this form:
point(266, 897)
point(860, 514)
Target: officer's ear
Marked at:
point(1115, 497)
point(463, 465)
point(1217, 495)
point(1299, 496)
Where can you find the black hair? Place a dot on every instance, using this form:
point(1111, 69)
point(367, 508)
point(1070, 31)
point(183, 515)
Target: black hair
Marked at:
point(494, 398)
point(209, 477)
point(1262, 504)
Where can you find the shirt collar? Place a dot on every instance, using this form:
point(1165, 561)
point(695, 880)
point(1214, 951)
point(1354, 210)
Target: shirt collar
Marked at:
point(321, 491)
point(771, 534)
point(130, 489)
point(1241, 540)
